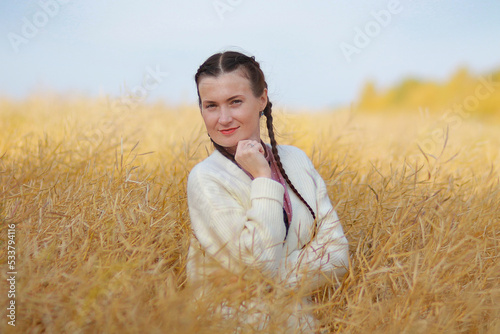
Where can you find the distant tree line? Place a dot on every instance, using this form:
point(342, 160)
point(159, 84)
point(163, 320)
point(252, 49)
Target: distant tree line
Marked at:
point(477, 95)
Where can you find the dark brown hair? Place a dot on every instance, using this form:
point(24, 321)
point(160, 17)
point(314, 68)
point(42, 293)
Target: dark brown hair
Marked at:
point(229, 61)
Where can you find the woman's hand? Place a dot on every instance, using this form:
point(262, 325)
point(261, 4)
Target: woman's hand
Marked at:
point(250, 155)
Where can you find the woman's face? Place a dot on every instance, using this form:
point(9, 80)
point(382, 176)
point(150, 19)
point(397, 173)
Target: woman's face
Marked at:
point(229, 109)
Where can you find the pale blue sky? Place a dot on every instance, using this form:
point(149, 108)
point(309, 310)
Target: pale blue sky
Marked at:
point(95, 47)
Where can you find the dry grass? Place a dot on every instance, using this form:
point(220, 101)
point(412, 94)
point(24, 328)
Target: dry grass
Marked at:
point(103, 226)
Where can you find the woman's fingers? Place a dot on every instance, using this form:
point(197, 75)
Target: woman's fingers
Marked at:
point(250, 156)
point(249, 145)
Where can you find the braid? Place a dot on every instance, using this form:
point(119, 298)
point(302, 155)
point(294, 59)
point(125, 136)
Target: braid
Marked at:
point(222, 150)
point(270, 129)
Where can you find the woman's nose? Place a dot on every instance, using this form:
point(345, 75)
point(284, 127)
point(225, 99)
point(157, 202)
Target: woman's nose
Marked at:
point(225, 116)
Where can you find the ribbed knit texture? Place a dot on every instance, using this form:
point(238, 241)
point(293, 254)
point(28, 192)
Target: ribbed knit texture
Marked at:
point(238, 222)
point(276, 176)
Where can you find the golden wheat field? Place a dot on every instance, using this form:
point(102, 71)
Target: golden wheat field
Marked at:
point(97, 194)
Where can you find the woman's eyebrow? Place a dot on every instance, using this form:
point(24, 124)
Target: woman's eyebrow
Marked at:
point(233, 97)
point(229, 99)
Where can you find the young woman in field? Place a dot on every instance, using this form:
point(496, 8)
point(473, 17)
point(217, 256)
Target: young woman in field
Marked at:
point(256, 207)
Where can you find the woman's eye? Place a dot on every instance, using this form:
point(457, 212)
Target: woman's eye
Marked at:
point(236, 101)
point(208, 106)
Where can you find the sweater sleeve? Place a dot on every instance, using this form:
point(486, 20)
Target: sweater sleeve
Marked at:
point(326, 256)
point(235, 235)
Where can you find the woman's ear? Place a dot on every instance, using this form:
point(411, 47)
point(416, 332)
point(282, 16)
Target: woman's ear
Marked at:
point(263, 99)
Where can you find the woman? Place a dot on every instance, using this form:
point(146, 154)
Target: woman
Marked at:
point(256, 207)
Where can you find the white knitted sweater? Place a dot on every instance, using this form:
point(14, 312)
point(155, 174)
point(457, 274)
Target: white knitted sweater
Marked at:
point(238, 222)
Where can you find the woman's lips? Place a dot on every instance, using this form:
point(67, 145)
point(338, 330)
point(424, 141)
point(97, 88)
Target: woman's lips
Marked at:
point(228, 131)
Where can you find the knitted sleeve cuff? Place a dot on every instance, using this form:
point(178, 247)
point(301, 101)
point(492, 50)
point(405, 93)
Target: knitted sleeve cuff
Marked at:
point(263, 187)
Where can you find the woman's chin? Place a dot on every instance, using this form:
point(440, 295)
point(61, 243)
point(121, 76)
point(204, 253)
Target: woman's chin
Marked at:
point(229, 145)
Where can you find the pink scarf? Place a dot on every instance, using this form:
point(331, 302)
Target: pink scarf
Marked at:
point(276, 176)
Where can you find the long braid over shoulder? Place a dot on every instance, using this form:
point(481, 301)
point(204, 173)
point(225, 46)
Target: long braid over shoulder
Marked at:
point(229, 61)
point(274, 147)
